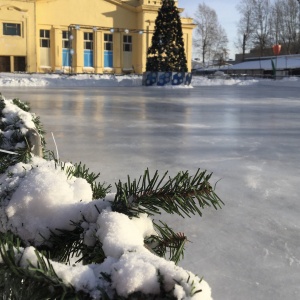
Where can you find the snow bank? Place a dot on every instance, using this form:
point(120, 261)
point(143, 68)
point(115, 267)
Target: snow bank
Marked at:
point(81, 80)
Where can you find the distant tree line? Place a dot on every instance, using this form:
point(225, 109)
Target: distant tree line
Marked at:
point(262, 24)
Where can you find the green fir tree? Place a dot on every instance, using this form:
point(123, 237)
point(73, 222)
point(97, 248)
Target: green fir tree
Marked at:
point(167, 53)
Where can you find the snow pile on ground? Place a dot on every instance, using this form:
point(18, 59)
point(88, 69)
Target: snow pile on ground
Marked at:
point(6, 80)
point(81, 80)
point(285, 82)
point(204, 81)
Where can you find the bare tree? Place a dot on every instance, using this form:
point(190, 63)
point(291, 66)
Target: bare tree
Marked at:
point(255, 23)
point(220, 50)
point(262, 22)
point(286, 24)
point(245, 26)
point(210, 36)
point(277, 21)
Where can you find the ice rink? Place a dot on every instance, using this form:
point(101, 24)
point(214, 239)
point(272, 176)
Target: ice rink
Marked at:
point(248, 136)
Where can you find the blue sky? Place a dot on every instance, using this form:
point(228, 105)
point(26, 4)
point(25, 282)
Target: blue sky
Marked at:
point(228, 16)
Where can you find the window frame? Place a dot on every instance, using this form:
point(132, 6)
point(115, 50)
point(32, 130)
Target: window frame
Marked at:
point(45, 41)
point(108, 42)
point(65, 39)
point(88, 40)
point(9, 26)
point(127, 43)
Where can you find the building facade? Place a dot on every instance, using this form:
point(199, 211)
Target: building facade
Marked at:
point(80, 36)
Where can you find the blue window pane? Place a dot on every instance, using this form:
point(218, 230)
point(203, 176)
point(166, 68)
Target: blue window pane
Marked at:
point(88, 58)
point(108, 59)
point(66, 58)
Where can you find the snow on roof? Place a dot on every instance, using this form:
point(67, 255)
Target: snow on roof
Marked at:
point(282, 62)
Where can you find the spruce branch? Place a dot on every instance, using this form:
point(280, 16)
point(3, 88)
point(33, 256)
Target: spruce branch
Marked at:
point(23, 105)
point(164, 294)
point(182, 194)
point(167, 241)
point(34, 282)
point(65, 244)
point(6, 160)
point(17, 141)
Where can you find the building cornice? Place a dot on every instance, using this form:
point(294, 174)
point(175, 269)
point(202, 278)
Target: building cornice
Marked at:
point(140, 7)
point(122, 4)
point(11, 7)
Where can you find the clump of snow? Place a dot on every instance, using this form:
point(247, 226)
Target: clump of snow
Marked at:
point(140, 270)
point(130, 266)
point(113, 232)
point(44, 198)
point(11, 113)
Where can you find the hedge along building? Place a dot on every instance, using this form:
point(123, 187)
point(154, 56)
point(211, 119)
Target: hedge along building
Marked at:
point(80, 36)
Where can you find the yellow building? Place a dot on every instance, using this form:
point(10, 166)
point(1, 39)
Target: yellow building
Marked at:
point(80, 36)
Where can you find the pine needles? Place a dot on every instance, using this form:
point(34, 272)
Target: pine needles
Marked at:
point(183, 194)
point(34, 282)
point(12, 137)
point(167, 241)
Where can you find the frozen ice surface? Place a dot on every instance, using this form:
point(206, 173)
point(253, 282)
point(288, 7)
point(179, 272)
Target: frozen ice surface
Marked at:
point(248, 136)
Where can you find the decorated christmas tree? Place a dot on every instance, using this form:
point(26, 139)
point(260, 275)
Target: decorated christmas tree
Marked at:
point(64, 235)
point(167, 53)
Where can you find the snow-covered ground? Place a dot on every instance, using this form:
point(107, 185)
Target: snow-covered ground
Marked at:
point(246, 131)
point(82, 80)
